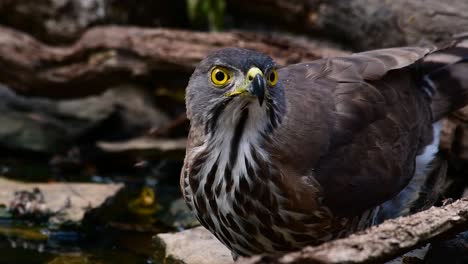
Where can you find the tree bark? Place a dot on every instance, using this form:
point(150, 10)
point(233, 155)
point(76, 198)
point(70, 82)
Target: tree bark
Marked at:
point(364, 24)
point(104, 56)
point(383, 242)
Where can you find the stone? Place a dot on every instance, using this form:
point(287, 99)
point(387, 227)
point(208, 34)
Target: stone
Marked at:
point(50, 126)
point(179, 216)
point(67, 202)
point(192, 246)
point(63, 21)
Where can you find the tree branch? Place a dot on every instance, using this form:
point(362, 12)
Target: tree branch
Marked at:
point(383, 242)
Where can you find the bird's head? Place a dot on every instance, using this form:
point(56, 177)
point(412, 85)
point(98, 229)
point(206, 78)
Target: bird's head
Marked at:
point(229, 82)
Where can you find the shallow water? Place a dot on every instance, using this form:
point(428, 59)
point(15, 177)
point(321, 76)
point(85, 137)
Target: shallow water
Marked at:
point(122, 237)
point(24, 242)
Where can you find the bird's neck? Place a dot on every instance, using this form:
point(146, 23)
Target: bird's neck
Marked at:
point(240, 132)
point(242, 120)
point(234, 150)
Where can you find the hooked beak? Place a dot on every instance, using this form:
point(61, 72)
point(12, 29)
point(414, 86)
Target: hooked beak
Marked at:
point(254, 85)
point(257, 88)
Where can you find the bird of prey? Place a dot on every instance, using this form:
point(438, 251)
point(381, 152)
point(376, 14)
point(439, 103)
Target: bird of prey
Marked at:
point(280, 158)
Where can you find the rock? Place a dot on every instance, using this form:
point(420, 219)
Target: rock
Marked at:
point(133, 105)
point(179, 216)
point(192, 246)
point(48, 126)
point(28, 123)
point(58, 21)
point(68, 202)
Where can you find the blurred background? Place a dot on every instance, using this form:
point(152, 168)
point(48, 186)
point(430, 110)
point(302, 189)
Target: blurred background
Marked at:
point(92, 121)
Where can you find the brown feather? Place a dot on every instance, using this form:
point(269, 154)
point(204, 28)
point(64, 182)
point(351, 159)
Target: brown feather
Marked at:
point(363, 125)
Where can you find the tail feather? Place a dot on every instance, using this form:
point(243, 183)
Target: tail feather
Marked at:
point(445, 78)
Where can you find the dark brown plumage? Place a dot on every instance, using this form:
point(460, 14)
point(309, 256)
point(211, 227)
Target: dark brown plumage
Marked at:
point(333, 140)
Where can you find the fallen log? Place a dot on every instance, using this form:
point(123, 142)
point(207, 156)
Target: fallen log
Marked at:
point(363, 24)
point(383, 242)
point(147, 147)
point(105, 56)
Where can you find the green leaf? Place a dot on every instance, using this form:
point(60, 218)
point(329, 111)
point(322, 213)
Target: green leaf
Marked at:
point(207, 11)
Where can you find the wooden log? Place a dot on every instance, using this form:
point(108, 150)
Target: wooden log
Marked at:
point(363, 24)
point(383, 242)
point(105, 56)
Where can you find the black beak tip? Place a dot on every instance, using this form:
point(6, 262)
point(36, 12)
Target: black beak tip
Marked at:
point(258, 88)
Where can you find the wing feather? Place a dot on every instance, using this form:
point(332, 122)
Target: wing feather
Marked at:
point(355, 124)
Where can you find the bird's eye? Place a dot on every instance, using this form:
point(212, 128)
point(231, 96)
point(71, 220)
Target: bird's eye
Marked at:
point(220, 76)
point(273, 78)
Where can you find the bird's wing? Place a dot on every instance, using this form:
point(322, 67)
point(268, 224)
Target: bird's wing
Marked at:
point(355, 124)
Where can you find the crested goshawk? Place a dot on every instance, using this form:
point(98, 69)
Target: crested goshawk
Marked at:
point(281, 158)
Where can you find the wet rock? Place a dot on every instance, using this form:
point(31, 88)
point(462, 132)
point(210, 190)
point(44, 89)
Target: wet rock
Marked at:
point(48, 126)
point(29, 205)
point(193, 246)
point(179, 216)
point(66, 202)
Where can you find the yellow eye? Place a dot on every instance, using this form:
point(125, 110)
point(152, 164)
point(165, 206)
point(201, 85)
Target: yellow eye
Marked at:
point(273, 78)
point(220, 76)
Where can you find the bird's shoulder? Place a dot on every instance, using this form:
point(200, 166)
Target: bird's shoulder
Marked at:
point(331, 99)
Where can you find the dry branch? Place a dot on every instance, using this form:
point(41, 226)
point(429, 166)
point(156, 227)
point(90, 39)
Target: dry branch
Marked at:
point(382, 242)
point(104, 56)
